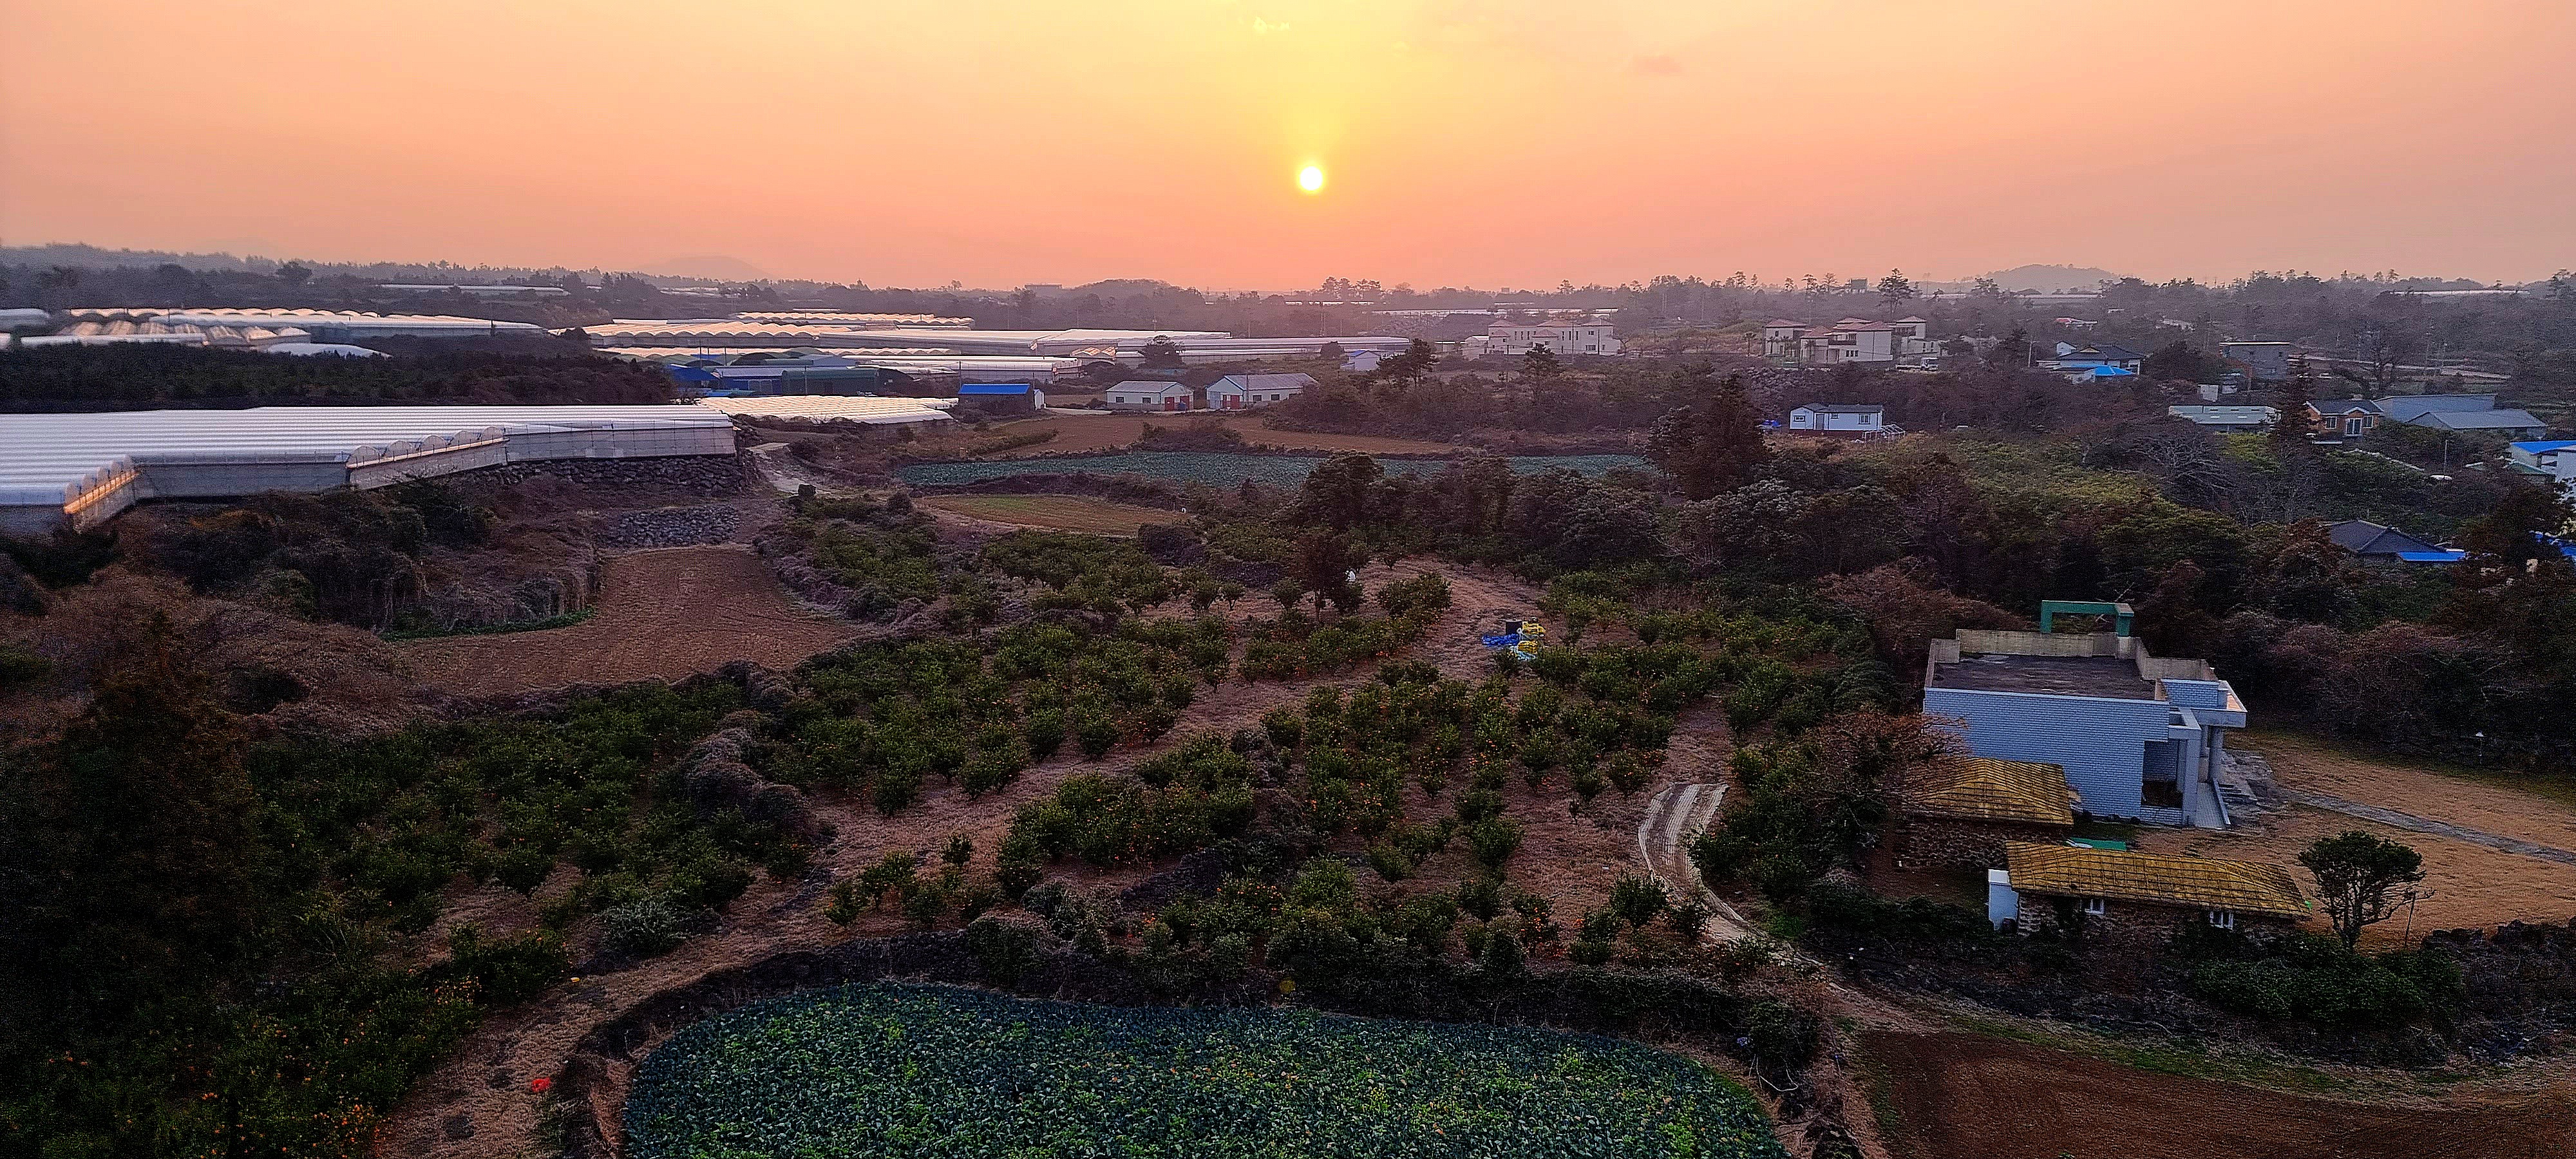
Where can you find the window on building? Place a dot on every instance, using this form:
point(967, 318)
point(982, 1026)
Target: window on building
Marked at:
point(2223, 919)
point(2094, 906)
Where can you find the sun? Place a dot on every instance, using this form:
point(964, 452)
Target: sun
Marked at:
point(1311, 179)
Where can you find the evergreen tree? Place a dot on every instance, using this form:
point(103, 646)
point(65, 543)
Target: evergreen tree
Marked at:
point(1712, 447)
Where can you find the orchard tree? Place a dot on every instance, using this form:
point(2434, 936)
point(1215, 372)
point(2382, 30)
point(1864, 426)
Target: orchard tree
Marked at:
point(2357, 877)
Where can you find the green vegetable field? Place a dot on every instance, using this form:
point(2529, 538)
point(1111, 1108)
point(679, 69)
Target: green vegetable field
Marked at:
point(896, 1070)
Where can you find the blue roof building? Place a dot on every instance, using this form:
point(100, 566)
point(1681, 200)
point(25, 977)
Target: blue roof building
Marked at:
point(1001, 397)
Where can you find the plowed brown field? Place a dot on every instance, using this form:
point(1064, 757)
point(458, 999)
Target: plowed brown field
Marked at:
point(1967, 1096)
point(668, 613)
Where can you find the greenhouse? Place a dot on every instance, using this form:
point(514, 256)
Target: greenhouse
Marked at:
point(78, 470)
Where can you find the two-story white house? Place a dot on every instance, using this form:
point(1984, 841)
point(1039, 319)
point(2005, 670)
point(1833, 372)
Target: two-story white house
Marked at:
point(1907, 340)
point(1838, 418)
point(1513, 339)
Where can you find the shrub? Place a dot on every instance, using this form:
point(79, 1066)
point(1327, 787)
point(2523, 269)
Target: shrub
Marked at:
point(1003, 951)
point(643, 928)
point(1636, 900)
point(2313, 979)
point(511, 970)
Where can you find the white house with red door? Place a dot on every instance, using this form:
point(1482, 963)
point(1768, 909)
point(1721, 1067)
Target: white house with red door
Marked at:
point(1155, 396)
point(1246, 391)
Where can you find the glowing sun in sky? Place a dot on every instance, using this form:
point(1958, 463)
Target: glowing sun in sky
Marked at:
point(1311, 179)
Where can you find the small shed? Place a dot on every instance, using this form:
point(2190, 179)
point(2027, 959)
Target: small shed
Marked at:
point(1138, 394)
point(1001, 397)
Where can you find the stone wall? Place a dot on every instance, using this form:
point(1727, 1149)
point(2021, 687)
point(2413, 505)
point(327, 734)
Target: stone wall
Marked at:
point(709, 474)
point(1948, 841)
point(2141, 927)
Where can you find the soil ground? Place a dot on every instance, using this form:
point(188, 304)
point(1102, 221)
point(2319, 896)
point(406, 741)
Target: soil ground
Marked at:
point(2468, 883)
point(1955, 1095)
point(668, 613)
point(1053, 512)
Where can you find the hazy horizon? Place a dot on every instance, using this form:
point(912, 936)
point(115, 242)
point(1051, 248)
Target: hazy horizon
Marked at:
point(1501, 143)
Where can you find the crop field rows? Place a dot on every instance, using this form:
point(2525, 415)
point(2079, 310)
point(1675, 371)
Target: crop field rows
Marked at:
point(918, 1071)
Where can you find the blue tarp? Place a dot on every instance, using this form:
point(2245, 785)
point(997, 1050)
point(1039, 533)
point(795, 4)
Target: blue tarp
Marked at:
point(2432, 556)
point(997, 388)
point(1505, 640)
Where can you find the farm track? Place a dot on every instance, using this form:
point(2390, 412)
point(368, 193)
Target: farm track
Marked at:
point(2399, 819)
point(1676, 813)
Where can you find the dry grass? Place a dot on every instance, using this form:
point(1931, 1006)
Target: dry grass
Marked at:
point(668, 613)
point(2470, 884)
point(1053, 512)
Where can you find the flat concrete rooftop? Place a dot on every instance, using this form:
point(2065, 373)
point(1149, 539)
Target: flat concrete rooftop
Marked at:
point(2108, 676)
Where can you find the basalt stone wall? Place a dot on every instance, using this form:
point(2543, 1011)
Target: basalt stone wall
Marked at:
point(1947, 841)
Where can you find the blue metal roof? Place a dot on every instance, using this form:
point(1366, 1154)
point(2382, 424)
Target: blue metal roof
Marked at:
point(2453, 556)
point(2544, 447)
point(1003, 388)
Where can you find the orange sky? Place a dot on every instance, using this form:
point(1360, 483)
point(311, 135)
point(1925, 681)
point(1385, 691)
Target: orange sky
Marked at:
point(1486, 142)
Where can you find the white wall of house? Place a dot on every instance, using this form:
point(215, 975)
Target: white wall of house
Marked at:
point(1811, 419)
point(1234, 392)
point(1858, 344)
point(1513, 339)
point(1149, 396)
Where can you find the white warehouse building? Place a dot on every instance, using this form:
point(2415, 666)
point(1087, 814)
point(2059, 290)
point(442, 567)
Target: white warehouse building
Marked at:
point(79, 470)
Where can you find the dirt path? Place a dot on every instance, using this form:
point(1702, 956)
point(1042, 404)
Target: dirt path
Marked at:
point(787, 473)
point(2397, 819)
point(1959, 1095)
point(666, 613)
point(1676, 813)
point(2475, 802)
point(2493, 852)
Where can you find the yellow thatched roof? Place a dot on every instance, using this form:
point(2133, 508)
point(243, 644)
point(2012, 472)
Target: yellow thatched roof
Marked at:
point(2204, 882)
point(1986, 789)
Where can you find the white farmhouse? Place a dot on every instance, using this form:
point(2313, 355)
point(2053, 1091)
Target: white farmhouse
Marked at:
point(1140, 394)
point(1838, 418)
point(1245, 391)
